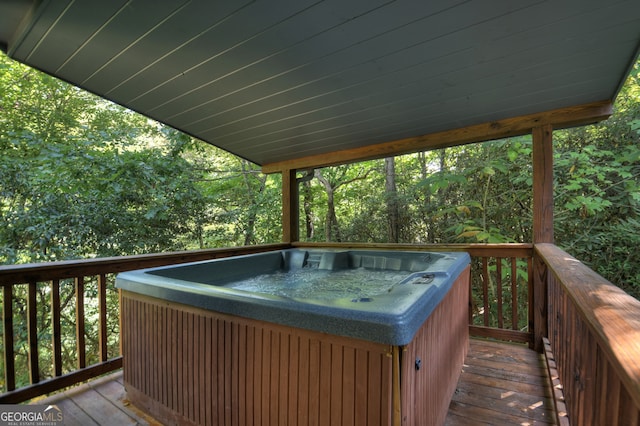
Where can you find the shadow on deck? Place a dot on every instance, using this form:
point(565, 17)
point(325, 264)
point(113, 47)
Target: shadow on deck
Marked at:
point(501, 384)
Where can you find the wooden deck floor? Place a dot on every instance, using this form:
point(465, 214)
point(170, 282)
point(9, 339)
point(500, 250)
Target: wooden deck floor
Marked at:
point(501, 384)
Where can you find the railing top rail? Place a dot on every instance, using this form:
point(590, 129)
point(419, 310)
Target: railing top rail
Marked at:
point(612, 315)
point(35, 272)
point(23, 273)
point(479, 249)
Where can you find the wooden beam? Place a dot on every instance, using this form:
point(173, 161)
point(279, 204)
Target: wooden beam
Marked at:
point(543, 184)
point(559, 118)
point(542, 225)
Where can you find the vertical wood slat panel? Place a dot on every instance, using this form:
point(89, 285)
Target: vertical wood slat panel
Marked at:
point(237, 349)
point(306, 397)
point(325, 383)
point(314, 382)
point(349, 360)
point(202, 368)
point(149, 338)
point(375, 386)
point(362, 361)
point(231, 374)
point(283, 385)
point(80, 328)
point(145, 338)
point(155, 346)
point(166, 357)
point(305, 383)
point(294, 377)
point(207, 375)
point(265, 374)
point(250, 376)
point(56, 333)
point(386, 409)
point(32, 332)
point(593, 392)
point(257, 376)
point(570, 334)
point(441, 344)
point(194, 374)
point(272, 344)
point(180, 361)
point(588, 373)
point(190, 373)
point(336, 385)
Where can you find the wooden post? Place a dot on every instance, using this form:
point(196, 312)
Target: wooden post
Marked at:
point(290, 206)
point(542, 226)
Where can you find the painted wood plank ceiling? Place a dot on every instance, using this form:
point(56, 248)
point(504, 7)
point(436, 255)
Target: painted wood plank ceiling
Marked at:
point(277, 80)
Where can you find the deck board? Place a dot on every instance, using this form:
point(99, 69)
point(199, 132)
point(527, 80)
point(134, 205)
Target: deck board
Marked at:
point(501, 384)
point(102, 401)
point(504, 384)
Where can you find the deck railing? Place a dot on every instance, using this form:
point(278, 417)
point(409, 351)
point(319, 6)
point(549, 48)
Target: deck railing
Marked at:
point(501, 296)
point(594, 334)
point(36, 298)
point(593, 326)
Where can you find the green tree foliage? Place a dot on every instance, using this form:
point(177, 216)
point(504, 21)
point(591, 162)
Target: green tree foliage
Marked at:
point(81, 177)
point(597, 171)
point(476, 193)
point(243, 205)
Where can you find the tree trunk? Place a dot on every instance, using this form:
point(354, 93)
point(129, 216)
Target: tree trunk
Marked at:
point(249, 228)
point(332, 229)
point(308, 212)
point(391, 197)
point(425, 207)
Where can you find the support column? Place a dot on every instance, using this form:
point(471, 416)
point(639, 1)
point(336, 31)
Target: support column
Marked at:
point(543, 184)
point(290, 206)
point(542, 228)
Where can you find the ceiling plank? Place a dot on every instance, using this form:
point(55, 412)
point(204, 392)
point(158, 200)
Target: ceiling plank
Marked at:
point(558, 118)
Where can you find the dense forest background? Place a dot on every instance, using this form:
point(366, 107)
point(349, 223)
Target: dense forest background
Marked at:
point(81, 177)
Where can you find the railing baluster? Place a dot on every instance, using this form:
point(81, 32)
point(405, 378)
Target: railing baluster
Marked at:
point(54, 272)
point(55, 327)
point(32, 336)
point(499, 291)
point(7, 314)
point(80, 338)
point(514, 294)
point(102, 307)
point(471, 301)
point(485, 290)
point(530, 312)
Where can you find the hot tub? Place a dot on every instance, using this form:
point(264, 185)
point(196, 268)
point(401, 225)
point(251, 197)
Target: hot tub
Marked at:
point(297, 336)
